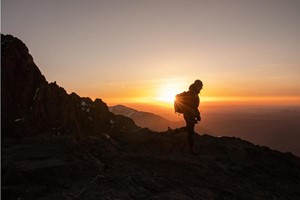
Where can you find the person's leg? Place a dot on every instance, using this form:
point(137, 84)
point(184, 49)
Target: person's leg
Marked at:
point(190, 129)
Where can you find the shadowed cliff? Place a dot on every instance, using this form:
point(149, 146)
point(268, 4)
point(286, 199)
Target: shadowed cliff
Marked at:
point(31, 105)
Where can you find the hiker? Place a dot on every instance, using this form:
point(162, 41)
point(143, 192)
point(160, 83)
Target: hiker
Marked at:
point(187, 103)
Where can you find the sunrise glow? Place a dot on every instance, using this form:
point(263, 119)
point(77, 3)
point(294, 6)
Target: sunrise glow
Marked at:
point(167, 93)
point(148, 52)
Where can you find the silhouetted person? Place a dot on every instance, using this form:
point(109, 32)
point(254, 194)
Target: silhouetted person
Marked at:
point(191, 114)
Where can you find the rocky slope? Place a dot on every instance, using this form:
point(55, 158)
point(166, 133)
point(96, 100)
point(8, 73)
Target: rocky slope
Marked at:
point(142, 164)
point(61, 146)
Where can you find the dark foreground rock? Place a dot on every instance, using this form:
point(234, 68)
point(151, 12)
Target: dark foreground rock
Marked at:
point(145, 165)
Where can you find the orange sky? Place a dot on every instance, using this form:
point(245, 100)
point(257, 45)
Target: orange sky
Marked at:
point(147, 51)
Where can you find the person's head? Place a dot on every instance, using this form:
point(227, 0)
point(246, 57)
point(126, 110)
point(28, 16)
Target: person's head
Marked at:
point(198, 84)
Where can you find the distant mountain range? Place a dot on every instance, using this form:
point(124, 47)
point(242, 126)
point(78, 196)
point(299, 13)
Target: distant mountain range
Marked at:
point(145, 119)
point(56, 145)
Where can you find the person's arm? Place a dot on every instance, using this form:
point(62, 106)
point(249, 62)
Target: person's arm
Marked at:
point(197, 112)
point(198, 117)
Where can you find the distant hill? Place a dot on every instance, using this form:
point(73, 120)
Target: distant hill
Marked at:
point(56, 145)
point(145, 119)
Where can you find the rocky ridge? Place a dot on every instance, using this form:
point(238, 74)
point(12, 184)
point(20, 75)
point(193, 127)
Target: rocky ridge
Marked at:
point(61, 146)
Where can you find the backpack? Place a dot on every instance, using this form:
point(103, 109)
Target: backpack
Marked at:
point(182, 101)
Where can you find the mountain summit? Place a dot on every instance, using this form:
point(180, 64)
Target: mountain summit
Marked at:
point(62, 146)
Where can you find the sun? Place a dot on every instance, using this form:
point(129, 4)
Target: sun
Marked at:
point(167, 93)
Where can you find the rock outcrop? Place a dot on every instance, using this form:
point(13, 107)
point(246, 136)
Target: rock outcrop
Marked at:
point(31, 105)
point(20, 79)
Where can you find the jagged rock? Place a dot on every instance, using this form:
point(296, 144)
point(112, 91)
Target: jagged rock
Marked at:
point(20, 78)
point(31, 105)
